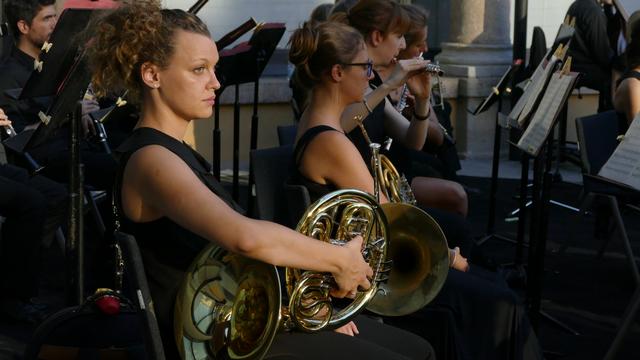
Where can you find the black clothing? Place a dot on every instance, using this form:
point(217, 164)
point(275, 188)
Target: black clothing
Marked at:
point(590, 49)
point(316, 190)
point(490, 322)
point(167, 250)
point(454, 226)
point(54, 153)
point(33, 206)
point(15, 72)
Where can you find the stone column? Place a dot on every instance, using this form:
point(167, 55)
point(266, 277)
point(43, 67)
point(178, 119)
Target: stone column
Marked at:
point(478, 52)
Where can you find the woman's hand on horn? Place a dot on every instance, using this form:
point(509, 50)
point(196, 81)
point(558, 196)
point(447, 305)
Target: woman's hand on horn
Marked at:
point(404, 70)
point(354, 271)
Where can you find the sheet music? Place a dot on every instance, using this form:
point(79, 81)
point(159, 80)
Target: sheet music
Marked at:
point(524, 99)
point(536, 88)
point(548, 110)
point(624, 164)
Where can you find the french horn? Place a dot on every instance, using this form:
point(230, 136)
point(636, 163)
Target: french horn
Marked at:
point(418, 248)
point(230, 307)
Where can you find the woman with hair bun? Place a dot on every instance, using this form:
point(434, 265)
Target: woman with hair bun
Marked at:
point(627, 95)
point(166, 197)
point(335, 62)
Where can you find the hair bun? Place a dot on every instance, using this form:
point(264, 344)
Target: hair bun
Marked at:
point(304, 43)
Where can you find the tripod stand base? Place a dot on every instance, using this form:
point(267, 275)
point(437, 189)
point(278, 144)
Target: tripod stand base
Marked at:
point(558, 323)
point(488, 237)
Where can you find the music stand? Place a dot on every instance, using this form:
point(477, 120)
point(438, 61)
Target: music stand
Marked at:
point(57, 55)
point(622, 171)
point(222, 43)
point(244, 64)
point(534, 139)
point(496, 94)
point(63, 73)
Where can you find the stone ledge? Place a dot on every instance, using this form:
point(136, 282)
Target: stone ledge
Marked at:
point(273, 90)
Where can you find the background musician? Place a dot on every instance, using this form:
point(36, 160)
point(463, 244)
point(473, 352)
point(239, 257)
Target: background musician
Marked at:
point(627, 95)
point(32, 23)
point(33, 207)
point(336, 66)
point(167, 197)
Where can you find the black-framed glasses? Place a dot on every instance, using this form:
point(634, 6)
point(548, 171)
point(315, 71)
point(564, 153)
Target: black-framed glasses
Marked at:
point(368, 64)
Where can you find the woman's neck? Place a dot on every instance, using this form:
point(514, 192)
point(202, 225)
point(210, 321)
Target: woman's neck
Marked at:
point(325, 108)
point(162, 119)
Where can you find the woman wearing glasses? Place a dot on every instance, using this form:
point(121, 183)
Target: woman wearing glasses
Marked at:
point(487, 318)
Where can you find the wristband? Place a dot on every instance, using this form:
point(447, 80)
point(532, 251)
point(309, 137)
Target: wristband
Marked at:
point(422, 118)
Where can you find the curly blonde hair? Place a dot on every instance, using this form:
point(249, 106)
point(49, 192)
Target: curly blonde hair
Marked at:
point(137, 32)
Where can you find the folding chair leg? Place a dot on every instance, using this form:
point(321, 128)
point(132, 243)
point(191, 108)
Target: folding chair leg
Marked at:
point(627, 320)
point(625, 239)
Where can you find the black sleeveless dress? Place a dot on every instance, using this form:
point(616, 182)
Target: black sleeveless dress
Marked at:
point(489, 321)
point(167, 250)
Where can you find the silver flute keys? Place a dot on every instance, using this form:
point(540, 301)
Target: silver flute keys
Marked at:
point(434, 69)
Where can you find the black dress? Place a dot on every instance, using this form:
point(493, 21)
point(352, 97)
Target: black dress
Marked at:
point(167, 250)
point(489, 320)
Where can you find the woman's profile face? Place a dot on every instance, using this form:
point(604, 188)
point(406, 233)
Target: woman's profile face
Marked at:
point(417, 47)
point(388, 49)
point(188, 83)
point(357, 78)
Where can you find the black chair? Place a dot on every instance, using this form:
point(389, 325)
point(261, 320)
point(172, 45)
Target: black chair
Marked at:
point(298, 200)
point(287, 134)
point(270, 171)
point(597, 139)
point(137, 281)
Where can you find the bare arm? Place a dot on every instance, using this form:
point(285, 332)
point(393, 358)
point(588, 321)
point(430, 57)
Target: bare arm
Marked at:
point(331, 158)
point(411, 133)
point(158, 183)
point(633, 108)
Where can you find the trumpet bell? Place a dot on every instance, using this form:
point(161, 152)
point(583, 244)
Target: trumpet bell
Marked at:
point(228, 307)
point(420, 255)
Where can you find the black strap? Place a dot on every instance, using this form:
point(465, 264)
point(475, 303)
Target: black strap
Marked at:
point(305, 140)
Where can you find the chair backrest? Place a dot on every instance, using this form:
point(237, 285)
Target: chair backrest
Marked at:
point(287, 134)
point(298, 200)
point(538, 49)
point(134, 270)
point(270, 171)
point(597, 139)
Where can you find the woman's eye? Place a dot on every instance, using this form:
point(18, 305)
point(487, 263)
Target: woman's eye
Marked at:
point(199, 70)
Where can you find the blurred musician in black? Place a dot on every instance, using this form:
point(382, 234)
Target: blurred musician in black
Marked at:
point(33, 207)
point(32, 23)
point(591, 50)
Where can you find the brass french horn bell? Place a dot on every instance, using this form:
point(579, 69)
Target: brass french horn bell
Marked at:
point(230, 307)
point(418, 248)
